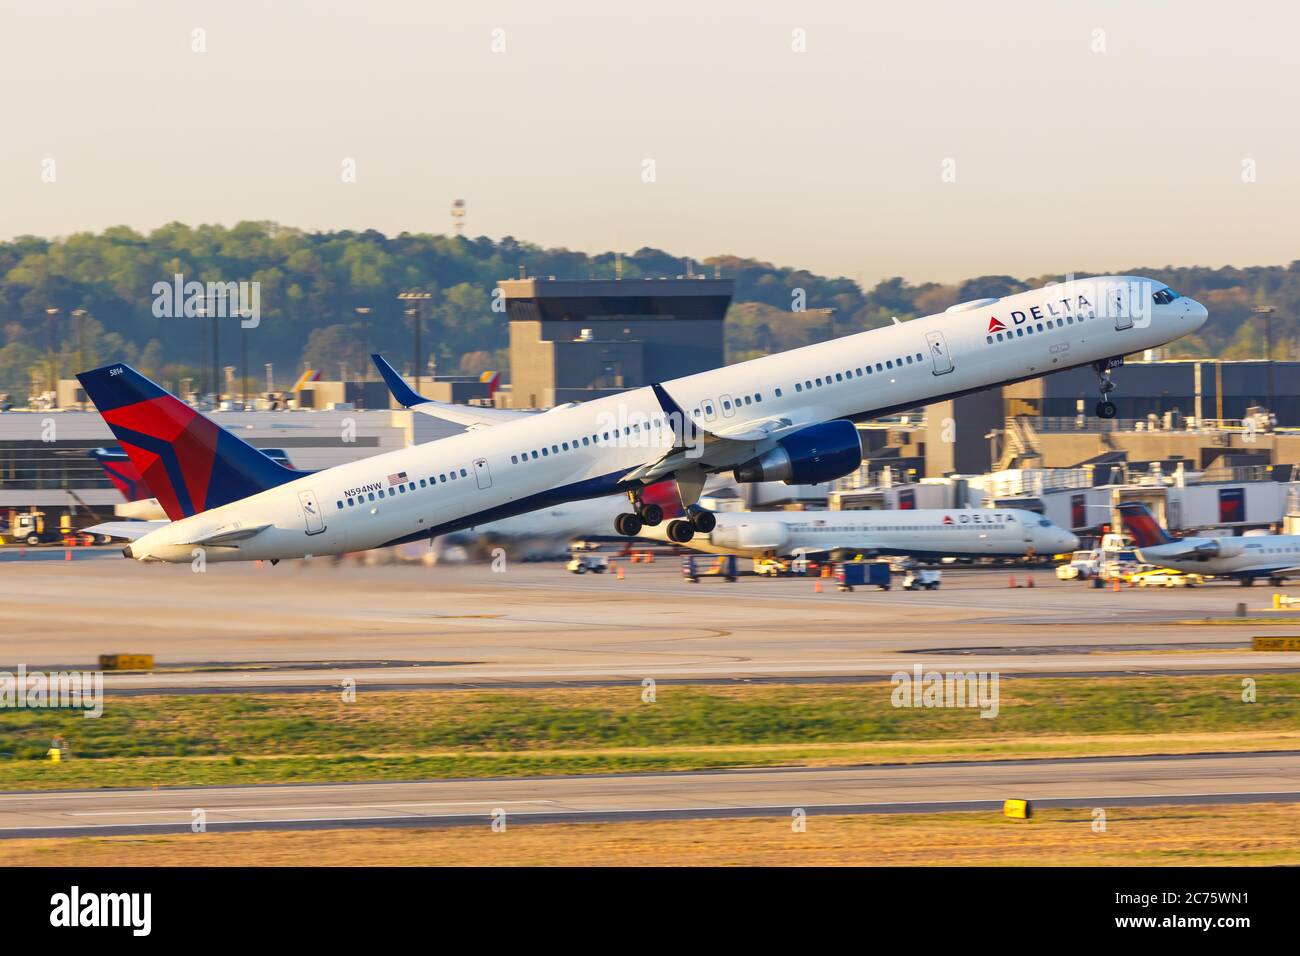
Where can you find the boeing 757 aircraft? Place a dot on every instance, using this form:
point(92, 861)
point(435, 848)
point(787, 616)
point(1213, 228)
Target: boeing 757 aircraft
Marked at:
point(786, 417)
point(928, 533)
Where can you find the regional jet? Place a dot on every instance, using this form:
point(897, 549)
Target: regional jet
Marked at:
point(1245, 557)
point(928, 533)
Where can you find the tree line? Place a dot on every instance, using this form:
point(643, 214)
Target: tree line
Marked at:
point(328, 299)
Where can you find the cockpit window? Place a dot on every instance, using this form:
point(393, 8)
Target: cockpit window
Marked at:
point(1044, 523)
point(1164, 296)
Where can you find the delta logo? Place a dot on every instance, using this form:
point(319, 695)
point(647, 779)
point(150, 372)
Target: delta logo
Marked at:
point(996, 326)
point(947, 519)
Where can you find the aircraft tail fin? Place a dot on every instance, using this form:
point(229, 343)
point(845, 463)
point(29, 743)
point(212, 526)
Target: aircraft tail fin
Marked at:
point(1142, 525)
point(188, 462)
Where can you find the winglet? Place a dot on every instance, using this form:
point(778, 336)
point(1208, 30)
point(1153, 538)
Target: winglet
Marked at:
point(405, 395)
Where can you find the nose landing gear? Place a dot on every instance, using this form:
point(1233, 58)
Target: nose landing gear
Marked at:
point(1105, 407)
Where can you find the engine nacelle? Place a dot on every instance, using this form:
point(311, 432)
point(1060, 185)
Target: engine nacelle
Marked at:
point(1220, 548)
point(811, 455)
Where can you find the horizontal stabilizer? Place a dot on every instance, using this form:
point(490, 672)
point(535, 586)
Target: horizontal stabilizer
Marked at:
point(130, 530)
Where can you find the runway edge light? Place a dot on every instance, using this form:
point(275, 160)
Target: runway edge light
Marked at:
point(1017, 809)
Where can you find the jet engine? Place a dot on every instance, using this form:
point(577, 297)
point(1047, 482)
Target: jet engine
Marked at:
point(811, 455)
point(1219, 548)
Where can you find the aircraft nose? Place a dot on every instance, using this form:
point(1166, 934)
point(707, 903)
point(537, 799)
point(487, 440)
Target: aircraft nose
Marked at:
point(1068, 542)
point(1195, 313)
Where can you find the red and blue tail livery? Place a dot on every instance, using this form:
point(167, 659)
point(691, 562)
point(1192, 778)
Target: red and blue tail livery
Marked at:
point(189, 463)
point(1142, 525)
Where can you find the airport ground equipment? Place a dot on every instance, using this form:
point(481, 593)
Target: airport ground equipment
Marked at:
point(582, 563)
point(31, 528)
point(724, 567)
point(852, 574)
point(919, 580)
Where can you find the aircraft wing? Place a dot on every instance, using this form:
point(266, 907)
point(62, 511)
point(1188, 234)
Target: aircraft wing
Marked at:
point(468, 415)
point(721, 447)
point(130, 530)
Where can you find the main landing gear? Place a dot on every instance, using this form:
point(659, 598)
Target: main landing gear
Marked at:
point(1105, 407)
point(649, 515)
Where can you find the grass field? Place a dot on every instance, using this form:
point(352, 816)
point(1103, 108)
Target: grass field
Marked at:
point(213, 739)
point(1260, 834)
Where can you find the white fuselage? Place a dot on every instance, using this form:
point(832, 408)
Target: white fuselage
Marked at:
point(1254, 555)
point(564, 455)
point(939, 533)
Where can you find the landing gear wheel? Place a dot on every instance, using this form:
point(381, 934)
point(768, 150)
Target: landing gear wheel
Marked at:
point(1106, 409)
point(1247, 582)
point(651, 515)
point(701, 520)
point(1277, 582)
point(628, 525)
point(680, 531)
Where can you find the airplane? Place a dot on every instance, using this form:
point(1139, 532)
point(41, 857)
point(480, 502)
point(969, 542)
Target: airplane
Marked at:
point(1244, 557)
point(139, 504)
point(783, 417)
point(921, 533)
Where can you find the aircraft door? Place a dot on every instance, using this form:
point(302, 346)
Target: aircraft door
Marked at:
point(311, 513)
point(482, 474)
point(1123, 314)
point(939, 353)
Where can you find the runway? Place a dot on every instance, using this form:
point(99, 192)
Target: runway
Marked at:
point(311, 625)
point(1080, 782)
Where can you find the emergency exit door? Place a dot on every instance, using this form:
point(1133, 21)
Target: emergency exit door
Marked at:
point(311, 512)
point(939, 353)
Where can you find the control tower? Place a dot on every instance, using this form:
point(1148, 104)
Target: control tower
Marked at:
point(575, 340)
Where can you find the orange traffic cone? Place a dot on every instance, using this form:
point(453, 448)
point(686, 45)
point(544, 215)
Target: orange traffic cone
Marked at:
point(1029, 582)
point(817, 586)
point(649, 557)
point(619, 569)
point(1115, 586)
point(67, 554)
point(1011, 581)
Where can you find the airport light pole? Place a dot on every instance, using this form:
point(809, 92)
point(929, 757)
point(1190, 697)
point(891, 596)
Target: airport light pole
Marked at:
point(419, 298)
point(1267, 312)
point(362, 311)
point(53, 358)
point(80, 316)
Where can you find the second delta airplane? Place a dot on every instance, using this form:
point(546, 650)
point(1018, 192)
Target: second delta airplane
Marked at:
point(785, 417)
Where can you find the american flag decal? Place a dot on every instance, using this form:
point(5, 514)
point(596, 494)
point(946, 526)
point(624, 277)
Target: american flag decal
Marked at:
point(397, 479)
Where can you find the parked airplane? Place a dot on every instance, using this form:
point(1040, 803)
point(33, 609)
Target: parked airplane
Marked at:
point(930, 533)
point(1246, 558)
point(781, 417)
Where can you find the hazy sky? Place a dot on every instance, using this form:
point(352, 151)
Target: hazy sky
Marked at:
point(1083, 135)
